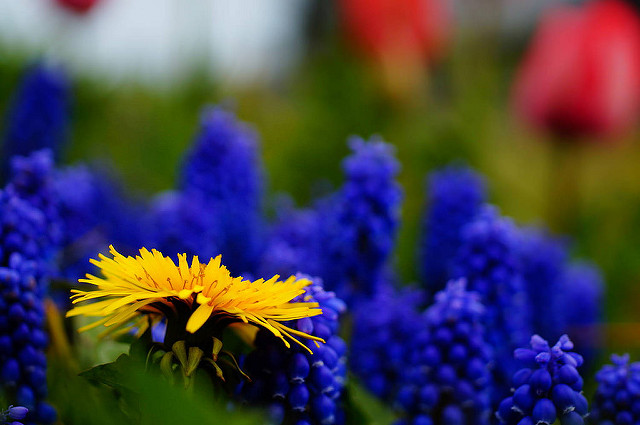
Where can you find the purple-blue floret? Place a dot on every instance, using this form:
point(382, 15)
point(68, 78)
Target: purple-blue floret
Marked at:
point(547, 388)
point(617, 397)
point(359, 223)
point(447, 378)
point(295, 385)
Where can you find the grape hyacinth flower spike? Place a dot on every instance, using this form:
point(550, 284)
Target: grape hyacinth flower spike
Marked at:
point(380, 342)
point(543, 258)
point(548, 388)
point(583, 296)
point(487, 259)
point(39, 114)
point(33, 180)
point(22, 338)
point(455, 195)
point(223, 170)
point(182, 223)
point(617, 398)
point(95, 212)
point(298, 386)
point(28, 237)
point(361, 221)
point(449, 379)
point(293, 244)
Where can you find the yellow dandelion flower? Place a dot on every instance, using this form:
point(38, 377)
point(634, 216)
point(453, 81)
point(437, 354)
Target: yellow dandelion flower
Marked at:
point(151, 284)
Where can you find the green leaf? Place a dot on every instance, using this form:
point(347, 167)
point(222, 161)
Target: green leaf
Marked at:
point(114, 374)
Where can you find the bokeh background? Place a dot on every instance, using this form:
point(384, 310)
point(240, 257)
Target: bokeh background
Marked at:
point(307, 74)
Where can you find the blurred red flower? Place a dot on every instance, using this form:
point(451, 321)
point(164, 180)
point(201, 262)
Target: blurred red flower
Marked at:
point(78, 6)
point(396, 28)
point(581, 75)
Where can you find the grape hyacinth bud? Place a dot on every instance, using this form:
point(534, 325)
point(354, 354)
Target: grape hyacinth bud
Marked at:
point(448, 378)
point(299, 387)
point(382, 329)
point(361, 221)
point(455, 196)
point(548, 388)
point(223, 169)
point(487, 258)
point(13, 415)
point(617, 398)
point(39, 115)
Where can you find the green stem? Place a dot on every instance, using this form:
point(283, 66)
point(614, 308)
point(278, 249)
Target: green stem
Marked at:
point(564, 185)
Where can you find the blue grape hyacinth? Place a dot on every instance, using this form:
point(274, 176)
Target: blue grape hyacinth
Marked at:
point(617, 398)
point(23, 230)
point(543, 258)
point(383, 332)
point(32, 180)
point(582, 294)
point(293, 244)
point(296, 386)
point(39, 115)
point(13, 415)
point(360, 222)
point(178, 224)
point(455, 195)
point(23, 339)
point(95, 211)
point(447, 378)
point(223, 170)
point(487, 259)
point(548, 388)
point(29, 234)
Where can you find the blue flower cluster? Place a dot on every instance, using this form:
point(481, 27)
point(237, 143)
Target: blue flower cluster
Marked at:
point(23, 229)
point(293, 244)
point(455, 196)
point(182, 225)
point(13, 415)
point(22, 337)
point(32, 179)
point(39, 115)
point(563, 296)
point(223, 174)
point(582, 293)
point(548, 388)
point(487, 258)
point(29, 232)
point(95, 213)
point(299, 387)
point(360, 222)
point(447, 377)
point(384, 330)
point(617, 399)
point(543, 259)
